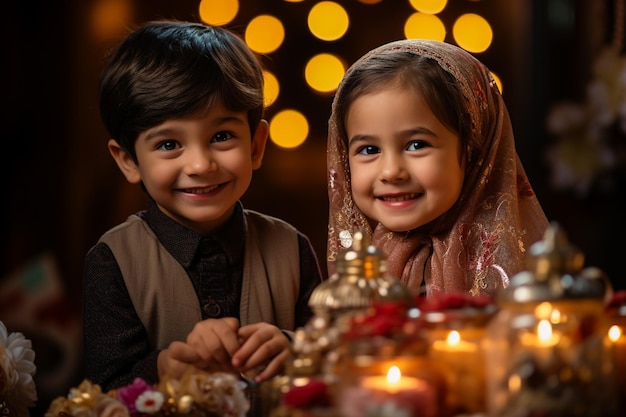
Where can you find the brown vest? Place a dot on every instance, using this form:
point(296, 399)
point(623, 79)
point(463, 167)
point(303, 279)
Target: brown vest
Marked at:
point(165, 299)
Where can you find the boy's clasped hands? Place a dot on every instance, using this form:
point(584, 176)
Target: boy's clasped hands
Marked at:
point(223, 345)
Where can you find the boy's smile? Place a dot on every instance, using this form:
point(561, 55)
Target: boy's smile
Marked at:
point(197, 167)
point(404, 163)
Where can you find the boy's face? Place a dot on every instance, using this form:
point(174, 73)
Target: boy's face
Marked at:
point(404, 163)
point(197, 167)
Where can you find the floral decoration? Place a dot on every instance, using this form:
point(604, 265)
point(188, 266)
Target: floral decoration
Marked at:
point(590, 142)
point(313, 394)
point(385, 319)
point(197, 393)
point(17, 368)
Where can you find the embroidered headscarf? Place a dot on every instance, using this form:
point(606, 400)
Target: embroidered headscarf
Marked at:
point(481, 242)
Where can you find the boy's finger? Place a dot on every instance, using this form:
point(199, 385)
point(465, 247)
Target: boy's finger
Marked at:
point(274, 367)
point(183, 352)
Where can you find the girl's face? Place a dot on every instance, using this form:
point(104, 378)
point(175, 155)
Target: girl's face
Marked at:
point(405, 168)
point(197, 167)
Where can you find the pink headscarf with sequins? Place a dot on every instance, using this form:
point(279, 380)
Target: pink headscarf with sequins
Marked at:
point(481, 242)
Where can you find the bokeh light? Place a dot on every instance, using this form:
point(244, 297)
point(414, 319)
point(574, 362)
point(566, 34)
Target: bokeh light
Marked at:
point(289, 128)
point(271, 88)
point(498, 81)
point(109, 19)
point(328, 21)
point(472, 33)
point(424, 26)
point(218, 12)
point(265, 34)
point(429, 6)
point(323, 72)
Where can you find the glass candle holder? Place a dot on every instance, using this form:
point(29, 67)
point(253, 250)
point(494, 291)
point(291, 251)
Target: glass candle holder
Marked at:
point(385, 386)
point(616, 316)
point(456, 325)
point(546, 348)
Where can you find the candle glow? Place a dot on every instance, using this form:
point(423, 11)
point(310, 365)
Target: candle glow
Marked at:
point(394, 375)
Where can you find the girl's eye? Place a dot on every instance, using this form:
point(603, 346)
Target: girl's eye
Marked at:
point(168, 145)
point(368, 150)
point(416, 145)
point(221, 137)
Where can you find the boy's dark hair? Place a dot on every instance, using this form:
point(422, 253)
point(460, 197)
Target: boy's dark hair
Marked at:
point(170, 69)
point(425, 75)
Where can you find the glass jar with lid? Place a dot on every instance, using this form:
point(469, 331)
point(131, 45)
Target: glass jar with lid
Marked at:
point(455, 326)
point(546, 350)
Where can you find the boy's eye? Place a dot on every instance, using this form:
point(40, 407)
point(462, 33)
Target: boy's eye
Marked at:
point(168, 145)
point(416, 145)
point(221, 137)
point(368, 150)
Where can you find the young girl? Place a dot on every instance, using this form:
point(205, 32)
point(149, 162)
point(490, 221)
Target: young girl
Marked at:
point(421, 156)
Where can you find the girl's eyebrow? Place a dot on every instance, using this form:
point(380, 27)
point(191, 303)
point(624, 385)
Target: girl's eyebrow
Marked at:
point(359, 138)
point(409, 132)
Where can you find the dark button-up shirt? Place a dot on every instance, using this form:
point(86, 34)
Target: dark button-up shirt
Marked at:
point(116, 345)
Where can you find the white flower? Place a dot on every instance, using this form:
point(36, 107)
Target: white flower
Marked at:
point(149, 402)
point(17, 368)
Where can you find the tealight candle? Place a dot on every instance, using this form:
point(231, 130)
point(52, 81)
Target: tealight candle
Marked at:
point(393, 382)
point(393, 391)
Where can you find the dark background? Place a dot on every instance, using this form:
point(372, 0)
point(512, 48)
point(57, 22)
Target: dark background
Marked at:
point(62, 189)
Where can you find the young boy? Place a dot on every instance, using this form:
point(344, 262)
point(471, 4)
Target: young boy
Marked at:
point(195, 279)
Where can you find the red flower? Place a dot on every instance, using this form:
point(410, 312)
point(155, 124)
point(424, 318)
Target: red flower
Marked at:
point(313, 394)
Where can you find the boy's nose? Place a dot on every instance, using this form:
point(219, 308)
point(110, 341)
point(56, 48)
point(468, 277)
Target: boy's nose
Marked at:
point(199, 162)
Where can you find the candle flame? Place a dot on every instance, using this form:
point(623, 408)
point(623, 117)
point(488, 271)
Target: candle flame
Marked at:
point(393, 375)
point(615, 333)
point(454, 338)
point(544, 331)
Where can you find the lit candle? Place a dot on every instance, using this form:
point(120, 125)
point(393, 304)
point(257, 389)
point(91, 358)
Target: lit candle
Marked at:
point(390, 393)
point(454, 343)
point(393, 382)
point(618, 344)
point(466, 373)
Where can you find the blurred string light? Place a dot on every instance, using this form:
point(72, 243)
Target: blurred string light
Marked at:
point(271, 88)
point(289, 128)
point(424, 26)
point(497, 80)
point(219, 12)
point(109, 19)
point(328, 21)
point(323, 72)
point(264, 34)
point(429, 6)
point(472, 33)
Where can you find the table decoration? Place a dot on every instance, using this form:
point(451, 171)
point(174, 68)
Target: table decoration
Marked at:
point(17, 368)
point(195, 394)
point(547, 346)
point(455, 325)
point(383, 368)
point(616, 313)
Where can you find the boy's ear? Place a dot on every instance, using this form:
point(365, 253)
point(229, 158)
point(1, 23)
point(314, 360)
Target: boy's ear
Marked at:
point(125, 162)
point(259, 140)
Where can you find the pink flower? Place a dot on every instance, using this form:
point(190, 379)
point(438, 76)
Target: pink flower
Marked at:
point(128, 395)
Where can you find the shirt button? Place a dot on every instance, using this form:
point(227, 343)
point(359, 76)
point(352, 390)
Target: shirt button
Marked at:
point(212, 309)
